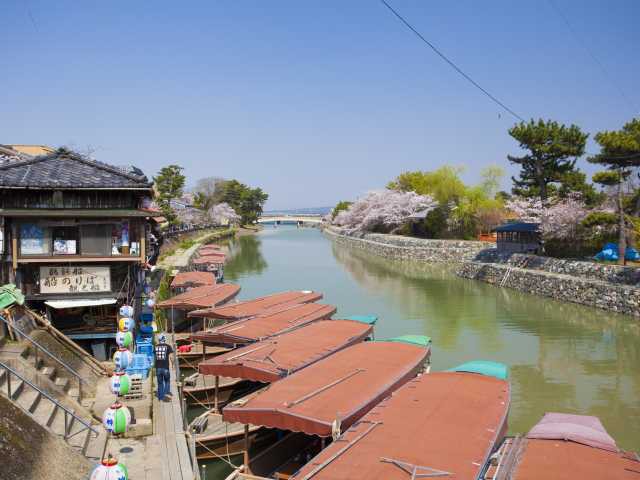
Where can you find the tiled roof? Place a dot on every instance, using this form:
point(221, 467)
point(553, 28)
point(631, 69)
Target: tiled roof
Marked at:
point(65, 169)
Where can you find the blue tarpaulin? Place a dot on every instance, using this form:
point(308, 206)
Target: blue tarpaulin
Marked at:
point(609, 253)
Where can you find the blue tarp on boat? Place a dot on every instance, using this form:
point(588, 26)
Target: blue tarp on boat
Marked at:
point(484, 367)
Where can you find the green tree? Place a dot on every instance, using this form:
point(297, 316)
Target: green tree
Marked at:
point(169, 185)
point(576, 181)
point(552, 147)
point(342, 205)
point(491, 178)
point(443, 184)
point(620, 154)
point(247, 202)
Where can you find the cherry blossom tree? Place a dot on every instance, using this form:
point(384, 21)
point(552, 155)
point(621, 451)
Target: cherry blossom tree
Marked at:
point(382, 210)
point(525, 209)
point(223, 213)
point(562, 218)
point(559, 218)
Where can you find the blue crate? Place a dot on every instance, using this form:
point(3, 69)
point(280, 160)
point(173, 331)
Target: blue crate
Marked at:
point(145, 349)
point(140, 365)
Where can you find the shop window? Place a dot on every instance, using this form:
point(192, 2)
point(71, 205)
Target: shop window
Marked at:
point(66, 241)
point(34, 240)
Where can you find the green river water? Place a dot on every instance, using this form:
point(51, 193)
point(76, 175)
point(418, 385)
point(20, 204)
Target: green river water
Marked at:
point(562, 357)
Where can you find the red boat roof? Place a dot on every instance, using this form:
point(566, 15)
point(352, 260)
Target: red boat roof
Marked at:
point(276, 321)
point(573, 446)
point(281, 355)
point(193, 279)
point(444, 421)
point(251, 308)
point(201, 297)
point(338, 389)
point(209, 258)
point(209, 246)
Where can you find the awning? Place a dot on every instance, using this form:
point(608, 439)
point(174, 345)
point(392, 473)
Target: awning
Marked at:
point(282, 355)
point(277, 321)
point(80, 302)
point(10, 294)
point(258, 306)
point(436, 423)
point(202, 297)
point(334, 392)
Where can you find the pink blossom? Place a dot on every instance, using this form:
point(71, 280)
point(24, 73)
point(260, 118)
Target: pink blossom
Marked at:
point(223, 213)
point(382, 210)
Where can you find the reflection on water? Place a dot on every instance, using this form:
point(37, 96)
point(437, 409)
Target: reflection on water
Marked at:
point(562, 356)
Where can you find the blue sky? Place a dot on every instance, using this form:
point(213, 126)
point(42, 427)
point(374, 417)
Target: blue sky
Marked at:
point(313, 101)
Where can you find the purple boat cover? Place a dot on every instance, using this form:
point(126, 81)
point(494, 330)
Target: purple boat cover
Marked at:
point(581, 429)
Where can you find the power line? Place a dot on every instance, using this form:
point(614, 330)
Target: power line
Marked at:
point(595, 59)
point(33, 20)
point(451, 63)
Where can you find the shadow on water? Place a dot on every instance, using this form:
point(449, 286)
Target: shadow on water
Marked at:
point(245, 257)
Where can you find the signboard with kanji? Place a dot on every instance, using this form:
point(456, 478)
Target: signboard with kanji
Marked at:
point(77, 279)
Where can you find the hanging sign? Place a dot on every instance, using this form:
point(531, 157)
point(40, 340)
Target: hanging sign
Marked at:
point(75, 279)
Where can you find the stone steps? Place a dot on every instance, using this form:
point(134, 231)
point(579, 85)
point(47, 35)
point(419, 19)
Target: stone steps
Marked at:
point(67, 425)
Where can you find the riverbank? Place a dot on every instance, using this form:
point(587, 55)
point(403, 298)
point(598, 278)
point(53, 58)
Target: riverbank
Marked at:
point(609, 287)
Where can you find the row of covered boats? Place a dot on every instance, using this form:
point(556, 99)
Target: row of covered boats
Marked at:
point(302, 395)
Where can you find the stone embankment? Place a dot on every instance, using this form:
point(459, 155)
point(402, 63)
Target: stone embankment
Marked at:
point(409, 248)
point(610, 287)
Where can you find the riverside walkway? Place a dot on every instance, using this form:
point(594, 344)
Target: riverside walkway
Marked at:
point(168, 427)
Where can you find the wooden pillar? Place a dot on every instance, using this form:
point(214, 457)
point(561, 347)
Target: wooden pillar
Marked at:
point(215, 399)
point(143, 243)
point(246, 449)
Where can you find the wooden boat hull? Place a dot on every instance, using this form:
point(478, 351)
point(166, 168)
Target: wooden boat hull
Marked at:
point(221, 439)
point(228, 390)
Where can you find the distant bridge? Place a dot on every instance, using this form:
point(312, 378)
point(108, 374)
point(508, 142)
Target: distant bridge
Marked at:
point(290, 219)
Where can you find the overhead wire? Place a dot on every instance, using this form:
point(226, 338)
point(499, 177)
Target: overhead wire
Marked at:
point(452, 64)
point(593, 56)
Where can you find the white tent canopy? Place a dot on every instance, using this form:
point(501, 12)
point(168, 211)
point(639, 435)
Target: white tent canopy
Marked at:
point(80, 302)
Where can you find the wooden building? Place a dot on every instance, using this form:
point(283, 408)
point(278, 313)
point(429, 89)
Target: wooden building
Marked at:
point(519, 238)
point(74, 239)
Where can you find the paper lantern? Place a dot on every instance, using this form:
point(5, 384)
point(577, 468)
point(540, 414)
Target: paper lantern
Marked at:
point(150, 302)
point(124, 339)
point(116, 418)
point(120, 383)
point(109, 469)
point(126, 324)
point(147, 289)
point(126, 311)
point(122, 358)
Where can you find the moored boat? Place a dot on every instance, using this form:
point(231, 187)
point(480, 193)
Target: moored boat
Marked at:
point(270, 360)
point(324, 399)
point(563, 446)
point(257, 306)
point(196, 298)
point(442, 424)
point(277, 321)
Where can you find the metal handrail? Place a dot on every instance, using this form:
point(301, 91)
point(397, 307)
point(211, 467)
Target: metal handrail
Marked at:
point(48, 397)
point(38, 346)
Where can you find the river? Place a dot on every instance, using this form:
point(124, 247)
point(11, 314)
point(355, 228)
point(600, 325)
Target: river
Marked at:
point(562, 357)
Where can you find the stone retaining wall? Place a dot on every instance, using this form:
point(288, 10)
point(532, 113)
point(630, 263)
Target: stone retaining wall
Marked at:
point(595, 293)
point(408, 248)
point(609, 287)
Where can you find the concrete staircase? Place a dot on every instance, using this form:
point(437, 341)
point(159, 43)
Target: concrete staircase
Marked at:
point(54, 414)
